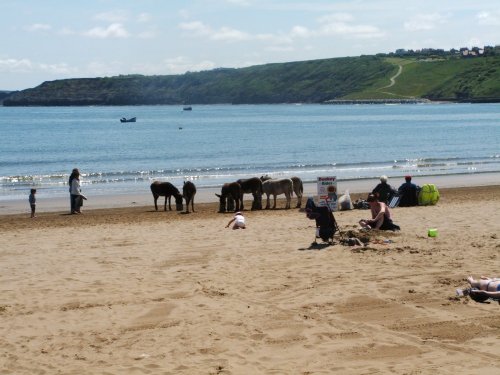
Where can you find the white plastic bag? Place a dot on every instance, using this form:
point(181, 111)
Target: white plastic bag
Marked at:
point(345, 202)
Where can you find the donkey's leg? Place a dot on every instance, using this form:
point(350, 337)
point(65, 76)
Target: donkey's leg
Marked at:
point(155, 197)
point(241, 203)
point(299, 200)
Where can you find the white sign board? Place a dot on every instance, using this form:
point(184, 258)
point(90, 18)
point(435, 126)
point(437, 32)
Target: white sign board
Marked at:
point(327, 192)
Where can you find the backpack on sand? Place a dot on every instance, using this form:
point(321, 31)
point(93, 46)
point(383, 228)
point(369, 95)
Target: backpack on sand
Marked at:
point(428, 195)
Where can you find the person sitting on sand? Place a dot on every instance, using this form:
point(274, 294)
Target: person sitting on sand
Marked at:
point(484, 288)
point(383, 191)
point(239, 221)
point(381, 216)
point(409, 193)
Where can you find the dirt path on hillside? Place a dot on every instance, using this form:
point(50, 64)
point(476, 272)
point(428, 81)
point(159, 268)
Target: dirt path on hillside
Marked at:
point(393, 78)
point(393, 82)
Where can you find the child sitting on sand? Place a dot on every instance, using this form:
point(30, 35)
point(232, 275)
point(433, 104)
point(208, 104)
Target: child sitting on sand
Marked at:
point(239, 221)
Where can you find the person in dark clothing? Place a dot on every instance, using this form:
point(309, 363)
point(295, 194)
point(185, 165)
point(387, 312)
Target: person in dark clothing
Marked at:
point(408, 193)
point(383, 191)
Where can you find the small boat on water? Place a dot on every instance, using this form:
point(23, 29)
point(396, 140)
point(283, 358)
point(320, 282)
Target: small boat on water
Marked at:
point(132, 119)
point(188, 108)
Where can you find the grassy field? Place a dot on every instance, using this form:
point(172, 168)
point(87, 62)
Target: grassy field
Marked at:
point(453, 78)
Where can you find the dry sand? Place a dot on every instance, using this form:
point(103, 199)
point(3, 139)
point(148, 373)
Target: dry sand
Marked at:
point(133, 291)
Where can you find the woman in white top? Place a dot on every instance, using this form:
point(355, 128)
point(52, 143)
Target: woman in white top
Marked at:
point(75, 191)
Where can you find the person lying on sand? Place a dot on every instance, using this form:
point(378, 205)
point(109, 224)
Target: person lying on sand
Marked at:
point(239, 221)
point(485, 287)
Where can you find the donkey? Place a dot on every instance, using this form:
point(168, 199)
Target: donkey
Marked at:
point(166, 189)
point(298, 188)
point(188, 192)
point(276, 187)
point(230, 192)
point(251, 185)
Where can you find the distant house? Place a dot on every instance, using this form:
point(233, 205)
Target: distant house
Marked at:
point(462, 52)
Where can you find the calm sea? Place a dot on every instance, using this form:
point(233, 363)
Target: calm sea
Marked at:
point(219, 143)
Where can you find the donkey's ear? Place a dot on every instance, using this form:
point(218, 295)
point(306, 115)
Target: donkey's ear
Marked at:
point(218, 195)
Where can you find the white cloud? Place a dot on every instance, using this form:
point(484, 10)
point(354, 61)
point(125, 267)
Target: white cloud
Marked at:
point(230, 35)
point(39, 27)
point(355, 31)
point(27, 66)
point(300, 32)
point(61, 68)
point(15, 65)
point(115, 30)
point(329, 25)
point(424, 22)
point(197, 27)
point(342, 24)
point(489, 18)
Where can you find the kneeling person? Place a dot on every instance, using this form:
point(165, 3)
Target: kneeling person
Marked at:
point(239, 221)
point(381, 216)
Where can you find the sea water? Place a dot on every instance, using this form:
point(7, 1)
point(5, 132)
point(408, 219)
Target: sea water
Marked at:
point(213, 144)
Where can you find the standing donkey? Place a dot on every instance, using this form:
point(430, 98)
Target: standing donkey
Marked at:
point(188, 192)
point(276, 187)
point(298, 188)
point(252, 186)
point(166, 189)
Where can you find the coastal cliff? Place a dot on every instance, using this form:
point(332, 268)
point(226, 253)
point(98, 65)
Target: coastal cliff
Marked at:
point(362, 79)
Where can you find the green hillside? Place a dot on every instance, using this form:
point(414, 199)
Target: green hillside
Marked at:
point(475, 79)
point(315, 81)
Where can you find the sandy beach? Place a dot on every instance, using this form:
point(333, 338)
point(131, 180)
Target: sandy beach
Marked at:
point(127, 290)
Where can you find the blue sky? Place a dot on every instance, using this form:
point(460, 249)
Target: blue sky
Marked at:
point(44, 40)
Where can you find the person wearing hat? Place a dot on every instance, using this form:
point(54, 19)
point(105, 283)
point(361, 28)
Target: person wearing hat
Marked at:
point(239, 221)
point(383, 191)
point(408, 193)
